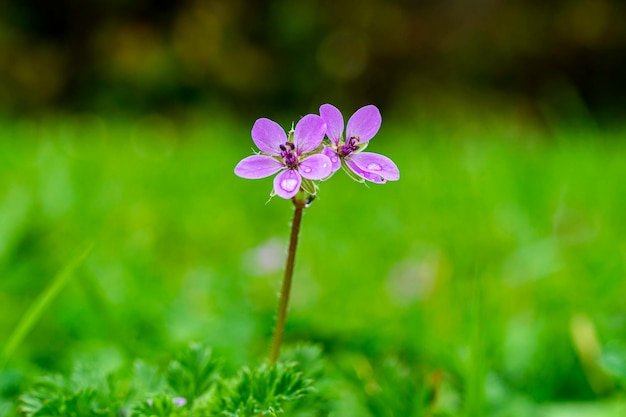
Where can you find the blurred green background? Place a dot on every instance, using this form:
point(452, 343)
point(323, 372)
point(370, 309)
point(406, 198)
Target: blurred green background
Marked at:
point(497, 260)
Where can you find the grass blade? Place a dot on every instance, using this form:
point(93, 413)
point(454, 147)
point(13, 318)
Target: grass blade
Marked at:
point(38, 307)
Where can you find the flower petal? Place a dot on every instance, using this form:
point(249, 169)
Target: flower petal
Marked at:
point(309, 133)
point(334, 158)
point(363, 174)
point(334, 122)
point(364, 123)
point(268, 136)
point(257, 166)
point(315, 167)
point(287, 183)
point(376, 164)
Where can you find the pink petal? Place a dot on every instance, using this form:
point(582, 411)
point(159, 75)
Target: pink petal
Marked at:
point(363, 174)
point(309, 133)
point(334, 158)
point(364, 123)
point(376, 164)
point(334, 122)
point(257, 166)
point(268, 136)
point(287, 183)
point(315, 167)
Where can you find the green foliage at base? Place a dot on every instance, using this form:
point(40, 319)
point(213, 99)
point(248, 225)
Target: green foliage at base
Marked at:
point(190, 387)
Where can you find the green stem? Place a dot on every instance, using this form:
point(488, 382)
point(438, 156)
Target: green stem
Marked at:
point(279, 330)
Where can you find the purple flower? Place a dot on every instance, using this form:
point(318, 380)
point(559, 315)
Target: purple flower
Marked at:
point(278, 153)
point(361, 128)
point(179, 401)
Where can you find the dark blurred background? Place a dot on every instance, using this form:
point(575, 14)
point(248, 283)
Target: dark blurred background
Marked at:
point(121, 56)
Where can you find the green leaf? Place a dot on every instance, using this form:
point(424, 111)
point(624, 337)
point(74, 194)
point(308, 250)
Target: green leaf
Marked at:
point(262, 391)
point(160, 405)
point(192, 373)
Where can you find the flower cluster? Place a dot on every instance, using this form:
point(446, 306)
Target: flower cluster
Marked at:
point(302, 156)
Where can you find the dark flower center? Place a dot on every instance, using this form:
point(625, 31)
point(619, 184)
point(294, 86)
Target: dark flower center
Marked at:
point(350, 146)
point(288, 154)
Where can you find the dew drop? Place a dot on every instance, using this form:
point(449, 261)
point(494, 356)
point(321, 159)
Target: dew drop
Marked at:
point(288, 184)
point(307, 169)
point(374, 167)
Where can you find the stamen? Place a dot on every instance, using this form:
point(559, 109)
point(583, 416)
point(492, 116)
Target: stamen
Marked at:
point(350, 146)
point(288, 155)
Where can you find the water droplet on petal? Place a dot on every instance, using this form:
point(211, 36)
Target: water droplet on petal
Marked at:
point(374, 167)
point(334, 159)
point(307, 169)
point(288, 184)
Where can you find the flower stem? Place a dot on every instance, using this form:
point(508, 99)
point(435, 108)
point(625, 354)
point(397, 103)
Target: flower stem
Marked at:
point(279, 330)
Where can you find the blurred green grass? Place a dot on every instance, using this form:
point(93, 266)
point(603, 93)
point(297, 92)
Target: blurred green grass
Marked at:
point(478, 261)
